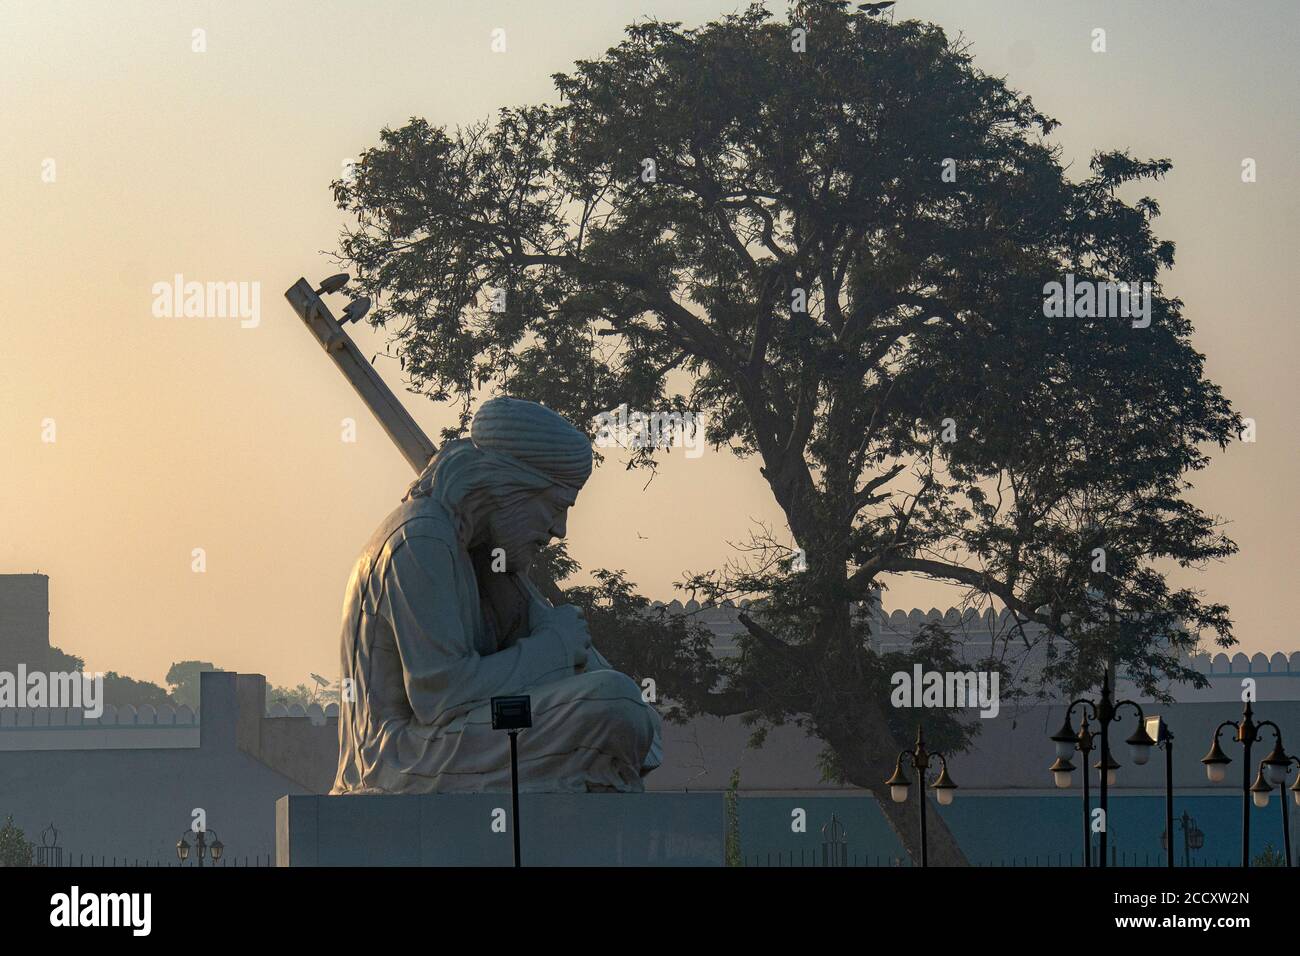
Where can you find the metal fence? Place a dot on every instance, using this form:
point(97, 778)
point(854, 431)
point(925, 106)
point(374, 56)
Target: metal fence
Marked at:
point(1121, 859)
point(813, 858)
point(816, 858)
point(83, 860)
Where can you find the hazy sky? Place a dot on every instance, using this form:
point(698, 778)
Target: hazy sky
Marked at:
point(175, 433)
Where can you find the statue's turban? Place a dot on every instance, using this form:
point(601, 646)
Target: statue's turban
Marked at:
point(536, 436)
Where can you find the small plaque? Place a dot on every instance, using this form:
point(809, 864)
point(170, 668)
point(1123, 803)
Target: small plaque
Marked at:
point(512, 713)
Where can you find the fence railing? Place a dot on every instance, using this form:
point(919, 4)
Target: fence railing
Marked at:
point(1155, 861)
point(68, 859)
point(816, 858)
point(813, 858)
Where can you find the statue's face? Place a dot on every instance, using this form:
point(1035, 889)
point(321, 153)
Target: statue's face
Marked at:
point(526, 526)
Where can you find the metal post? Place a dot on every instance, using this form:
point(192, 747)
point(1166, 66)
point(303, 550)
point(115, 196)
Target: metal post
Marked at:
point(920, 794)
point(512, 714)
point(1286, 823)
point(1245, 799)
point(514, 790)
point(1169, 798)
point(1104, 714)
point(1087, 807)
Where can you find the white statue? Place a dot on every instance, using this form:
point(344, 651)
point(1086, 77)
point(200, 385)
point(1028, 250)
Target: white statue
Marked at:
point(440, 617)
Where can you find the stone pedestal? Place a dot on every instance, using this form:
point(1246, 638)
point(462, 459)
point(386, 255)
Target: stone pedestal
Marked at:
point(557, 829)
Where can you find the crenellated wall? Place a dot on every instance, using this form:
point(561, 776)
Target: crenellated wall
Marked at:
point(129, 789)
point(66, 728)
point(126, 783)
point(979, 633)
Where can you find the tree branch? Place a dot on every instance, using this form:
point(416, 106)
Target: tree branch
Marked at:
point(979, 580)
point(770, 640)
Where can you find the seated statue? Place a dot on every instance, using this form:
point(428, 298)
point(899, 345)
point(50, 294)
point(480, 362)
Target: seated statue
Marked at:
point(440, 617)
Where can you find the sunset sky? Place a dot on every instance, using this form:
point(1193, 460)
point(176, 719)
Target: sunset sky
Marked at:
point(183, 433)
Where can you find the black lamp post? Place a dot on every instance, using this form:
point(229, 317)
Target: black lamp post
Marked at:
point(1159, 731)
point(1277, 775)
point(1193, 837)
point(1062, 768)
point(1103, 711)
point(1273, 770)
point(201, 847)
point(1274, 767)
point(943, 786)
point(1295, 792)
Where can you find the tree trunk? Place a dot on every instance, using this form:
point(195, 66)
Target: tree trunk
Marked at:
point(864, 743)
point(868, 754)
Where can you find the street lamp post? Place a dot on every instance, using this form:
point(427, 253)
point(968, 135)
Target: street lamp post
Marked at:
point(1193, 837)
point(1275, 764)
point(1277, 775)
point(943, 786)
point(1273, 770)
point(1062, 769)
point(201, 847)
point(1159, 731)
point(1103, 711)
point(1295, 792)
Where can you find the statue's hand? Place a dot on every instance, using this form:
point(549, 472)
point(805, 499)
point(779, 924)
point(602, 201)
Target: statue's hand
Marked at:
point(565, 624)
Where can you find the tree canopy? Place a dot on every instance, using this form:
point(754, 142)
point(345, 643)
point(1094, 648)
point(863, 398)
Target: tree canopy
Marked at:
point(835, 236)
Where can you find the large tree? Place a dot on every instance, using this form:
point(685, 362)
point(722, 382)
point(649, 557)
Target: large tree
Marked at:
point(833, 234)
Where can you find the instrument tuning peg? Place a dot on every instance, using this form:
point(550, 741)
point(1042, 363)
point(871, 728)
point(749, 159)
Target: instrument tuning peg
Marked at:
point(333, 283)
point(356, 309)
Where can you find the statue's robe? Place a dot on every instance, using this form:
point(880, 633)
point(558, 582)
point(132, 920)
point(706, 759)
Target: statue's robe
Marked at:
point(422, 659)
